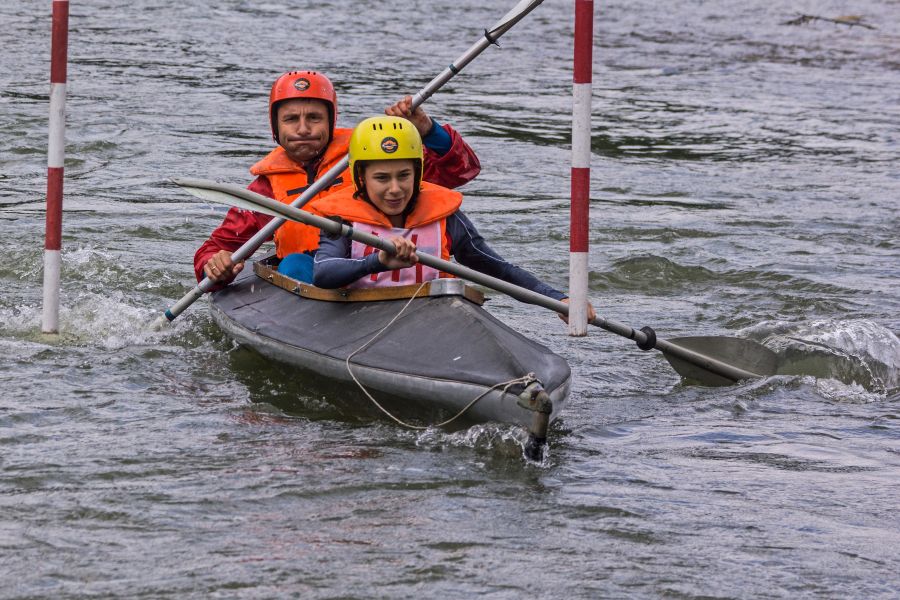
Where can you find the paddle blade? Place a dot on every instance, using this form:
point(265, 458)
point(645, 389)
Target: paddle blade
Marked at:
point(518, 12)
point(221, 197)
point(737, 352)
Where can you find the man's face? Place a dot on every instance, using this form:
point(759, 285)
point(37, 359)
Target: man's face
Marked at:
point(303, 126)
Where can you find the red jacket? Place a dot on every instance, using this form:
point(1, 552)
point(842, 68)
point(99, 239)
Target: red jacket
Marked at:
point(458, 166)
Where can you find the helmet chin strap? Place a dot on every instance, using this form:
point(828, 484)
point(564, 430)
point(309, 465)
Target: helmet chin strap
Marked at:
point(361, 193)
point(417, 185)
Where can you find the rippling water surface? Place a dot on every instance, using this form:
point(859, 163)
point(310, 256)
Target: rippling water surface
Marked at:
point(745, 182)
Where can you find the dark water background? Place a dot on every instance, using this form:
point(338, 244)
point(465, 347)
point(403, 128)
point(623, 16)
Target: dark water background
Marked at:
point(745, 182)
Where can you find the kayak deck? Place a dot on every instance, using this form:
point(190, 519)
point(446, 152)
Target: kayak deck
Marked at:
point(442, 352)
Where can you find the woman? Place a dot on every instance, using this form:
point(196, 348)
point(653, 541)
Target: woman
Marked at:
point(389, 199)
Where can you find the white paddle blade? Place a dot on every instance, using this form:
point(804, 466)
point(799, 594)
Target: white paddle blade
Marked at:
point(518, 12)
point(218, 197)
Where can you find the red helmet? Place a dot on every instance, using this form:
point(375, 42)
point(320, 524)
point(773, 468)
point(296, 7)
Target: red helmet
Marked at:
point(302, 84)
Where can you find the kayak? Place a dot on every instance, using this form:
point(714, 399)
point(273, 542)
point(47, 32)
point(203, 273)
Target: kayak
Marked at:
point(440, 356)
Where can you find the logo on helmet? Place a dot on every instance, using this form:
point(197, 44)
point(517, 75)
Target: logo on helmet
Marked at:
point(301, 85)
point(389, 145)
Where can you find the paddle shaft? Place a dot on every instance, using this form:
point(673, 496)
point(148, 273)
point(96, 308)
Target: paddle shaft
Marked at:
point(250, 246)
point(270, 206)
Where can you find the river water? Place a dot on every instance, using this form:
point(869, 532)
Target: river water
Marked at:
point(746, 176)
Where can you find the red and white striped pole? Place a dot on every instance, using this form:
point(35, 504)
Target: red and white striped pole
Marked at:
point(56, 153)
point(581, 167)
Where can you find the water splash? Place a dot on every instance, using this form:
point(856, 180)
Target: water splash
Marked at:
point(848, 357)
point(107, 321)
point(507, 440)
point(839, 391)
point(99, 304)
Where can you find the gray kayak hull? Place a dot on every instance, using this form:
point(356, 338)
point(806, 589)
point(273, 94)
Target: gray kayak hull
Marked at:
point(439, 355)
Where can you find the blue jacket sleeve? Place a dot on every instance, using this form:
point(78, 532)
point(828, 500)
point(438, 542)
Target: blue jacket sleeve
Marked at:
point(470, 249)
point(333, 267)
point(438, 139)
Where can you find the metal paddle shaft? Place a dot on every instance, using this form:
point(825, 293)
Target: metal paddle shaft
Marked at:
point(687, 361)
point(489, 37)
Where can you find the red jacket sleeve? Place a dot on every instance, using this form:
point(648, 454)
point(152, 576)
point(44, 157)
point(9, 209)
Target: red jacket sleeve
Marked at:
point(460, 165)
point(238, 227)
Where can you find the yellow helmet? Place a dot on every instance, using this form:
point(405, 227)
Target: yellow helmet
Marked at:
point(384, 138)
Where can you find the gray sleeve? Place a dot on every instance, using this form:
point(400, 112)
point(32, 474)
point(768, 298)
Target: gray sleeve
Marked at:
point(333, 267)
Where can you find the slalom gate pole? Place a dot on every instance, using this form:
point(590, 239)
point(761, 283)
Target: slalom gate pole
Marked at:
point(56, 151)
point(581, 167)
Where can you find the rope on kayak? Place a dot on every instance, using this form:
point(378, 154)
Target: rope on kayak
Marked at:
point(525, 379)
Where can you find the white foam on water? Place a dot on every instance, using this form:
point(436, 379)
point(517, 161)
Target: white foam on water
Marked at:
point(854, 355)
point(859, 338)
point(99, 302)
point(839, 391)
point(486, 436)
point(106, 321)
point(498, 439)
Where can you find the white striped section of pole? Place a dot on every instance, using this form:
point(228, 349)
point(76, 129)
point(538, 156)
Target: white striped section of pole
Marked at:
point(581, 167)
point(56, 153)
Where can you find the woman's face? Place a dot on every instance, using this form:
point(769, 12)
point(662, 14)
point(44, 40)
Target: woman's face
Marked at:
point(389, 184)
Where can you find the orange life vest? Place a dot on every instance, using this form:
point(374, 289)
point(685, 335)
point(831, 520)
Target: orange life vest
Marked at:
point(289, 179)
point(433, 205)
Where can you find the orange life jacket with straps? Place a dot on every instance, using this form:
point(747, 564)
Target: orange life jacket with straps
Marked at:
point(289, 179)
point(426, 226)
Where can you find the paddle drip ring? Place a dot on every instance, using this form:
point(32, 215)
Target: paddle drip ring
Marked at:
point(650, 342)
point(338, 234)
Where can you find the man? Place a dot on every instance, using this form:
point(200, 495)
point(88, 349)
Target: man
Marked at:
point(303, 117)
